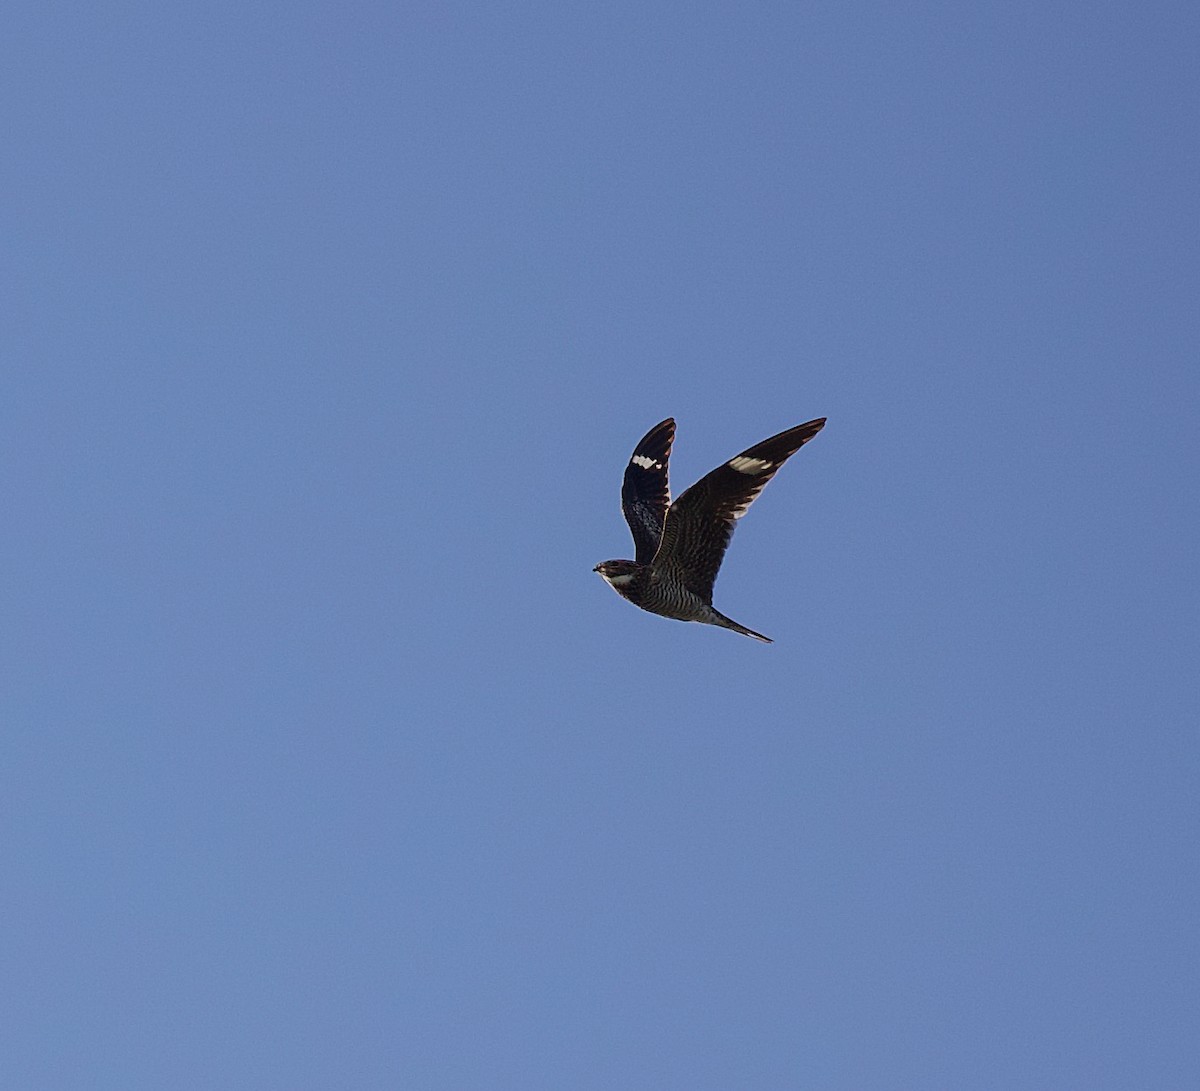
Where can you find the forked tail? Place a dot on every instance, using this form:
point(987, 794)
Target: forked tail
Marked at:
point(728, 623)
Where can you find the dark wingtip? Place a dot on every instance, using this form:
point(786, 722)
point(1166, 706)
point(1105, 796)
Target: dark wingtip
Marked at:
point(780, 447)
point(657, 442)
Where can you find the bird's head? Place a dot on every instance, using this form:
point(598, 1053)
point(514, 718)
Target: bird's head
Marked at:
point(617, 574)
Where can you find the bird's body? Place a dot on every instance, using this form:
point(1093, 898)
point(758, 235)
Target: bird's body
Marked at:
point(680, 546)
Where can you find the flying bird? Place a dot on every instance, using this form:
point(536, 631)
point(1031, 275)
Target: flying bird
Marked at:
point(680, 546)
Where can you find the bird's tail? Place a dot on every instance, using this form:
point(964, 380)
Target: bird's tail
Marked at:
point(728, 623)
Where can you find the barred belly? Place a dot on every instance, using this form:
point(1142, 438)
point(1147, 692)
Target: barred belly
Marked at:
point(673, 600)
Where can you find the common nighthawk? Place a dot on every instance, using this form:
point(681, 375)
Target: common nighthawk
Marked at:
point(680, 546)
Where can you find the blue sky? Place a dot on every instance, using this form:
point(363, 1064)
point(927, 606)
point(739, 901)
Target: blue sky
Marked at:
point(326, 760)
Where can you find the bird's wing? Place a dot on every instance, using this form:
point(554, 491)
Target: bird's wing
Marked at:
point(700, 523)
point(645, 493)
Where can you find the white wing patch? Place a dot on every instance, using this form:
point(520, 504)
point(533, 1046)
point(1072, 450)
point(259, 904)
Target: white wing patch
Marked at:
point(745, 465)
point(646, 463)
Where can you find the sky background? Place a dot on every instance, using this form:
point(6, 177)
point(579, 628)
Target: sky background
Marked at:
point(327, 331)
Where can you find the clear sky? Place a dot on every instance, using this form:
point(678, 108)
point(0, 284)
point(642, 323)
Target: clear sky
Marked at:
point(327, 330)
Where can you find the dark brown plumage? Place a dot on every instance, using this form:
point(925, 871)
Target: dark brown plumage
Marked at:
point(680, 546)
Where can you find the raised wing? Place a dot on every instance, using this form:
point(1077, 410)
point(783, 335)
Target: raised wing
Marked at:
point(645, 494)
point(700, 523)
